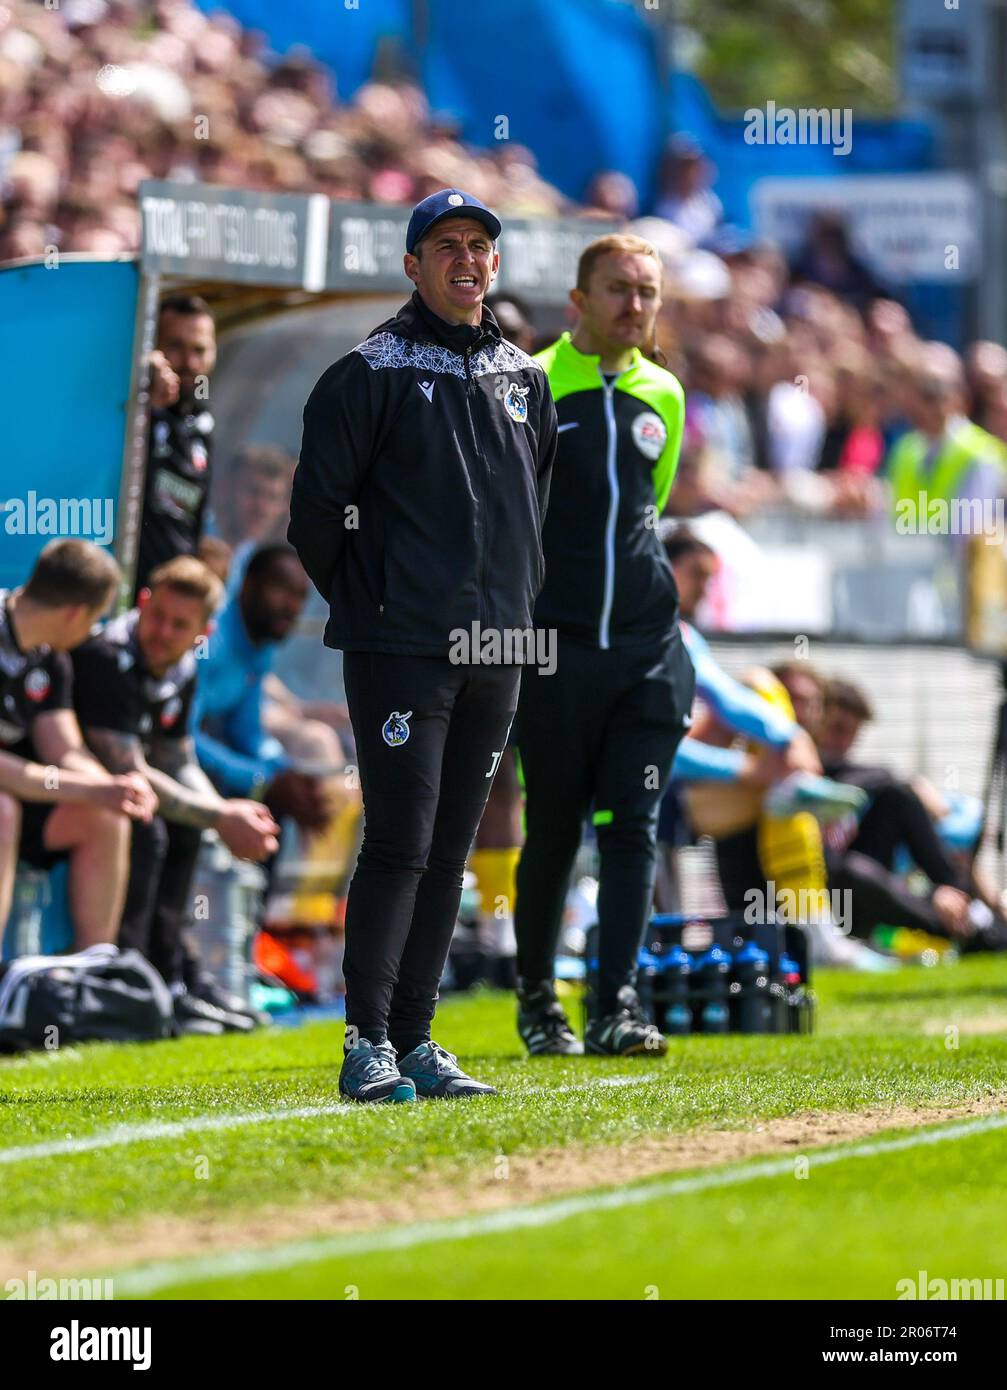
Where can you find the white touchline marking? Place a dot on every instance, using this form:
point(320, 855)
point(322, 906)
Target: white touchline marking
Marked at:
point(163, 1129)
point(167, 1273)
point(119, 1135)
point(605, 1082)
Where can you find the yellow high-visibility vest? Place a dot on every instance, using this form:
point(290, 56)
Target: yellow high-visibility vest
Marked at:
point(965, 446)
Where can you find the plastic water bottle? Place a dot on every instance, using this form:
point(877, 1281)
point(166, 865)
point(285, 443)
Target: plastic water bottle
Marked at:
point(800, 1002)
point(710, 1012)
point(676, 970)
point(784, 977)
point(750, 990)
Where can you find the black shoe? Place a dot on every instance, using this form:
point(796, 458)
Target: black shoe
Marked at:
point(992, 937)
point(625, 1033)
point(196, 1016)
point(544, 1027)
point(205, 987)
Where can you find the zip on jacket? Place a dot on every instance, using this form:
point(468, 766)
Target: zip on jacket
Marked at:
point(608, 581)
point(419, 497)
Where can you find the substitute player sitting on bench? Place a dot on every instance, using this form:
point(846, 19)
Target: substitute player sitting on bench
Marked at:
point(56, 801)
point(134, 687)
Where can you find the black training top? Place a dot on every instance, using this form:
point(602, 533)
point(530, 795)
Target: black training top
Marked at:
point(32, 682)
point(114, 690)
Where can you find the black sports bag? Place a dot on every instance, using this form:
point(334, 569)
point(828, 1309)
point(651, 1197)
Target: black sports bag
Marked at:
point(101, 994)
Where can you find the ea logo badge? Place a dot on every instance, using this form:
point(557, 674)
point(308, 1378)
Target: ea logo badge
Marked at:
point(515, 402)
point(650, 434)
point(395, 730)
point(170, 712)
point(455, 199)
point(36, 685)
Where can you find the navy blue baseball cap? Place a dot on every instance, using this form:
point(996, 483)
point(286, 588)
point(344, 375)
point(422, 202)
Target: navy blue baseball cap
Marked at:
point(448, 202)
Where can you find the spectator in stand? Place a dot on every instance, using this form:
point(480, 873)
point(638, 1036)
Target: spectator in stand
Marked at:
point(945, 457)
point(514, 316)
point(853, 440)
point(716, 376)
point(795, 416)
point(827, 258)
point(986, 377)
point(686, 198)
point(996, 413)
point(612, 194)
point(889, 329)
point(718, 455)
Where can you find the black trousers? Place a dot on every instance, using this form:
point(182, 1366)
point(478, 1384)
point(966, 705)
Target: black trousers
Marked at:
point(429, 735)
point(159, 898)
point(600, 731)
point(879, 896)
point(896, 817)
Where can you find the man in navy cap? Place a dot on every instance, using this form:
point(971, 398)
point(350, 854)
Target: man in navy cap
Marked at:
point(417, 510)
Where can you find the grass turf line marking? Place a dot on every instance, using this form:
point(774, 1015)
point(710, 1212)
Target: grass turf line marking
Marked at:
point(120, 1135)
point(167, 1273)
point(161, 1129)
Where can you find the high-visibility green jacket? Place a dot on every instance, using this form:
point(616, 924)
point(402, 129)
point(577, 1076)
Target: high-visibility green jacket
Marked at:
point(965, 446)
point(607, 579)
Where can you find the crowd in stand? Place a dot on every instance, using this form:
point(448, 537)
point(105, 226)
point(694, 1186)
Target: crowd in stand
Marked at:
point(800, 375)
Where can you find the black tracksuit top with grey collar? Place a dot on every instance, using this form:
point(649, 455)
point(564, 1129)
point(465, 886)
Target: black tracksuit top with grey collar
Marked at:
point(419, 498)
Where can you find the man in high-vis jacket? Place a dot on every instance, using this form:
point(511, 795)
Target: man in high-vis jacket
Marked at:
point(946, 461)
point(598, 736)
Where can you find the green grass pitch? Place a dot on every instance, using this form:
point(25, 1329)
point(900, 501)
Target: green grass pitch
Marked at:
point(99, 1142)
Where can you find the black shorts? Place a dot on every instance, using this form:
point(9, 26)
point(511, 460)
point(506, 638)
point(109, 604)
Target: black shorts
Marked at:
point(31, 847)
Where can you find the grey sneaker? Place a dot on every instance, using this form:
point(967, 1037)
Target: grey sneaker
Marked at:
point(436, 1074)
point(369, 1073)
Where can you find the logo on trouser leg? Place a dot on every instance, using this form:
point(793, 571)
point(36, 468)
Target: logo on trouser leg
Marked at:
point(395, 730)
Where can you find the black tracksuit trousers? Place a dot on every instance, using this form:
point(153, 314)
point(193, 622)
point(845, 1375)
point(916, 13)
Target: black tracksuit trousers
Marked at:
point(429, 735)
point(599, 732)
point(158, 907)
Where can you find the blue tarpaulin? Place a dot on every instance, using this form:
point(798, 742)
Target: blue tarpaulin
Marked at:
point(577, 80)
point(65, 356)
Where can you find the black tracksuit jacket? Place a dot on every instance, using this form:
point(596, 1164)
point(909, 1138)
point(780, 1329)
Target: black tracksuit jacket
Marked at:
point(419, 497)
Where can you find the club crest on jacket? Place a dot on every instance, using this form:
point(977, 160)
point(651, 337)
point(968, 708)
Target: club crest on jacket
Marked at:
point(395, 729)
point(516, 403)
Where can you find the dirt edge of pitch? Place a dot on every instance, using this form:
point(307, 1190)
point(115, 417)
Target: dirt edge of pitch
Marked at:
point(505, 1181)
